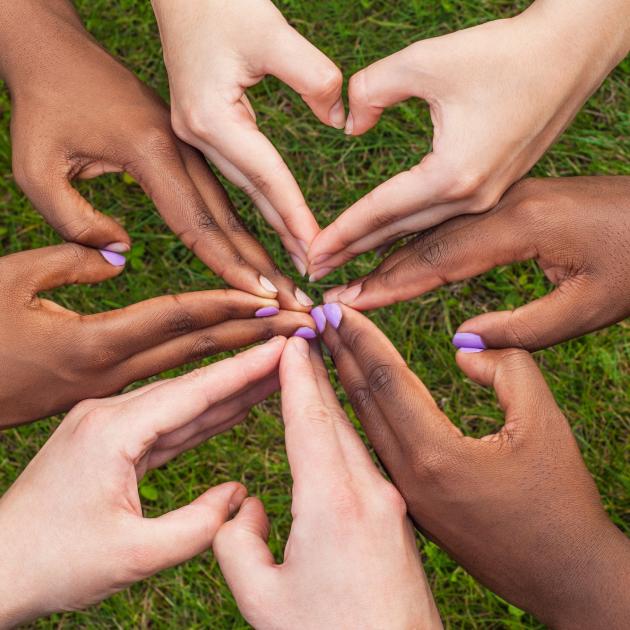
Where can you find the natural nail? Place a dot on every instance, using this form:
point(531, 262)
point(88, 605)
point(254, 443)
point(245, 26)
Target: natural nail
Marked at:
point(320, 259)
point(333, 314)
point(468, 340)
point(299, 264)
point(302, 298)
point(318, 275)
point(470, 350)
point(119, 248)
point(267, 285)
point(349, 125)
point(117, 260)
point(337, 115)
point(319, 318)
point(305, 333)
point(350, 294)
point(267, 311)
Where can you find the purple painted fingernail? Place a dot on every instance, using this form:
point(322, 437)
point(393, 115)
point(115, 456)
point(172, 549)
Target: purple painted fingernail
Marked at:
point(320, 319)
point(305, 333)
point(470, 350)
point(266, 311)
point(468, 340)
point(117, 260)
point(333, 314)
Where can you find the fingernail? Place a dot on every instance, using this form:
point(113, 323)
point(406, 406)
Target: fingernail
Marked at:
point(470, 350)
point(302, 298)
point(331, 294)
point(299, 264)
point(333, 314)
point(337, 115)
point(267, 285)
point(349, 125)
point(302, 348)
point(305, 333)
point(119, 248)
point(318, 275)
point(267, 311)
point(303, 245)
point(320, 259)
point(319, 318)
point(468, 340)
point(350, 294)
point(118, 260)
point(236, 500)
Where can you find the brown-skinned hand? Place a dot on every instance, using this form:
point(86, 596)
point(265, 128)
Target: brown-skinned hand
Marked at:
point(52, 358)
point(576, 228)
point(518, 509)
point(78, 113)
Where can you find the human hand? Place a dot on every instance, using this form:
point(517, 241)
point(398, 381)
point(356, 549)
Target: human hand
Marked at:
point(351, 559)
point(72, 526)
point(51, 358)
point(588, 216)
point(499, 95)
point(214, 51)
point(78, 113)
point(518, 508)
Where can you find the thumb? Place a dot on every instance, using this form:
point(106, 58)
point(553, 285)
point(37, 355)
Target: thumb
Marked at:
point(571, 310)
point(303, 67)
point(380, 85)
point(520, 387)
point(59, 265)
point(240, 547)
point(70, 214)
point(188, 531)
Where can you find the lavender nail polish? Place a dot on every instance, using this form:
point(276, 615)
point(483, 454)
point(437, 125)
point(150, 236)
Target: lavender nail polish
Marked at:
point(319, 318)
point(333, 314)
point(470, 350)
point(305, 333)
point(468, 340)
point(266, 311)
point(117, 260)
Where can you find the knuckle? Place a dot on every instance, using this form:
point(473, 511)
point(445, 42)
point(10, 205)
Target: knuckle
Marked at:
point(380, 378)
point(467, 184)
point(157, 141)
point(431, 252)
point(360, 397)
point(179, 321)
point(317, 414)
point(433, 468)
point(204, 346)
point(391, 501)
point(328, 79)
point(520, 333)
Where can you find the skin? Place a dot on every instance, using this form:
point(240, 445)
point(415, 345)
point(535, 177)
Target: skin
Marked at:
point(72, 526)
point(499, 95)
point(518, 508)
point(214, 51)
point(351, 559)
point(51, 357)
point(589, 216)
point(78, 113)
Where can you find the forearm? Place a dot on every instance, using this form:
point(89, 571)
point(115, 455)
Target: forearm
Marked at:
point(28, 29)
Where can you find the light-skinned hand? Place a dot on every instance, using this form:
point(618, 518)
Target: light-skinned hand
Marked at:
point(517, 508)
point(499, 95)
point(52, 357)
point(351, 559)
point(72, 526)
point(78, 113)
point(576, 228)
point(214, 51)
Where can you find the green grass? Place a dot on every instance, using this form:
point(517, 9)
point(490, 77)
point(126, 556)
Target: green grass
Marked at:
point(590, 377)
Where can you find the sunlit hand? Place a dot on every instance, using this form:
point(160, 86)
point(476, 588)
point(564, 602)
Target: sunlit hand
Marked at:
point(214, 50)
point(51, 357)
point(499, 95)
point(516, 508)
point(351, 559)
point(576, 228)
point(72, 526)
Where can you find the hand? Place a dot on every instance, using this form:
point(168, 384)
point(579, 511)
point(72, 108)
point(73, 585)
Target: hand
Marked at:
point(214, 50)
point(589, 216)
point(78, 113)
point(72, 525)
point(499, 95)
point(518, 508)
point(351, 559)
point(51, 358)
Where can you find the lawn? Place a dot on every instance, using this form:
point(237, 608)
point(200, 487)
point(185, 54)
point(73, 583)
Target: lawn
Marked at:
point(590, 376)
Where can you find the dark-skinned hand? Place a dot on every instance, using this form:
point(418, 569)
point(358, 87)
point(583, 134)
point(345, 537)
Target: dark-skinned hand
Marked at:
point(576, 228)
point(517, 509)
point(52, 358)
point(78, 113)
